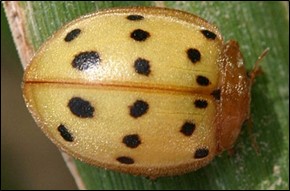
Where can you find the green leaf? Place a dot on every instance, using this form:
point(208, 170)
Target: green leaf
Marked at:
point(256, 26)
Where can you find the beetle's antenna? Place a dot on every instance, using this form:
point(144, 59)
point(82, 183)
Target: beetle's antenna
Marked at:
point(257, 69)
point(252, 75)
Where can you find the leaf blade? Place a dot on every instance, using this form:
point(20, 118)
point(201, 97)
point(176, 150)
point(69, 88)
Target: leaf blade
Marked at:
point(255, 26)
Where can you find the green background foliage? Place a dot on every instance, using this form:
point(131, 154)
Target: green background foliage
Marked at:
point(256, 26)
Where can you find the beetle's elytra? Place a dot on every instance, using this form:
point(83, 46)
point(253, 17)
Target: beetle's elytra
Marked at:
point(144, 90)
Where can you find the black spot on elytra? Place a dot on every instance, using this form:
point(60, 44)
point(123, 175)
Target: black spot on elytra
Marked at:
point(142, 66)
point(66, 135)
point(86, 60)
point(72, 35)
point(125, 160)
point(139, 108)
point(216, 94)
point(193, 55)
point(140, 35)
point(208, 34)
point(202, 80)
point(135, 17)
point(81, 107)
point(187, 128)
point(201, 153)
point(200, 103)
point(132, 141)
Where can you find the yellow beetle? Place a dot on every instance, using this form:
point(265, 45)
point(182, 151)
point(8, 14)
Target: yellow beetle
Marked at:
point(144, 90)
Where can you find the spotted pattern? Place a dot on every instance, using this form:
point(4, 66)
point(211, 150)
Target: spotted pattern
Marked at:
point(81, 108)
point(216, 94)
point(208, 34)
point(135, 17)
point(142, 66)
point(202, 80)
point(200, 103)
point(125, 160)
point(89, 59)
point(66, 135)
point(139, 108)
point(132, 141)
point(140, 35)
point(194, 55)
point(187, 128)
point(86, 60)
point(201, 153)
point(72, 35)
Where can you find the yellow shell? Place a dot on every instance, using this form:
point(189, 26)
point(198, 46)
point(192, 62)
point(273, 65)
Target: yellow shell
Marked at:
point(149, 91)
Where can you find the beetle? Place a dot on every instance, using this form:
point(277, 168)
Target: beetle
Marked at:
point(144, 90)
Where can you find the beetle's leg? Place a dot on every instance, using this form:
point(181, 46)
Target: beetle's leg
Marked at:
point(257, 68)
